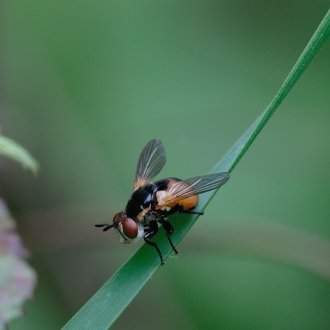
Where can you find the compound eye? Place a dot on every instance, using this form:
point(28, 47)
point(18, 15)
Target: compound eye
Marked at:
point(130, 228)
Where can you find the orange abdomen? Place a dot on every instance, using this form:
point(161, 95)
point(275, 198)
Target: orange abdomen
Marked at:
point(165, 198)
point(188, 203)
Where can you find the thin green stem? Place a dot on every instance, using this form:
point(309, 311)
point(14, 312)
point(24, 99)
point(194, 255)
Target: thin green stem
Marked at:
point(101, 311)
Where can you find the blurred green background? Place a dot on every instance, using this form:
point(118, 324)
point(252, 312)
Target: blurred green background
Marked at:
point(85, 85)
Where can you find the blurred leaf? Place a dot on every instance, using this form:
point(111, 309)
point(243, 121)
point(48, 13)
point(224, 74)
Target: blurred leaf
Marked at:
point(17, 279)
point(14, 151)
point(102, 310)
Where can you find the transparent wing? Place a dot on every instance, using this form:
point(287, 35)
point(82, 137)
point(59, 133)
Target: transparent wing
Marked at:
point(194, 186)
point(151, 161)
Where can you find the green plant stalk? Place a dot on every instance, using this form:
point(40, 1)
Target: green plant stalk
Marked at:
point(102, 310)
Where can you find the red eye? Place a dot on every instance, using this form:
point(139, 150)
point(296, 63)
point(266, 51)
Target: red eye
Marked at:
point(130, 228)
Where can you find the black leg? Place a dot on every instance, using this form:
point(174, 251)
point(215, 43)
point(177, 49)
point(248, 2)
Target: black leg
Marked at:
point(153, 229)
point(169, 232)
point(106, 226)
point(178, 208)
point(193, 212)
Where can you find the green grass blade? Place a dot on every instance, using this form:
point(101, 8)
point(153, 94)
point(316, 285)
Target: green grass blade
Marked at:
point(102, 310)
point(14, 151)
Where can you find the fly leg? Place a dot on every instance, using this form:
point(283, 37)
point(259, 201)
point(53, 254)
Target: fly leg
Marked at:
point(169, 232)
point(106, 226)
point(152, 231)
point(178, 208)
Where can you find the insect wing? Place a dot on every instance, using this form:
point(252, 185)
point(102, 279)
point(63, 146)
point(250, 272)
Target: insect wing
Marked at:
point(151, 162)
point(194, 186)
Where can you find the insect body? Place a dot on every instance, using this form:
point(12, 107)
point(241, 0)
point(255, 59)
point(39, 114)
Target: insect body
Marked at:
point(151, 203)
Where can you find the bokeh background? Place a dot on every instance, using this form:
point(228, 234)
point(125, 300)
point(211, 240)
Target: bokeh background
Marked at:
point(85, 85)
